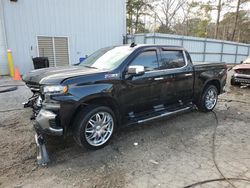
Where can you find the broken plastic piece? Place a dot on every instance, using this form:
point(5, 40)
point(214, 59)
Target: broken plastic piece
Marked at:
point(42, 154)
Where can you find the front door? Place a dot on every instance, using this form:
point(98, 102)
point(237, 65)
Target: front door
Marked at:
point(138, 95)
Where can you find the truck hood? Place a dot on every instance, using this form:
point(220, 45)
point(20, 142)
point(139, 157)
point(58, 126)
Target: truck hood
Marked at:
point(242, 66)
point(56, 75)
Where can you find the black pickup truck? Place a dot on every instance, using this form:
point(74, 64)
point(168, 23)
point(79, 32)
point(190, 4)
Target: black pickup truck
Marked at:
point(119, 86)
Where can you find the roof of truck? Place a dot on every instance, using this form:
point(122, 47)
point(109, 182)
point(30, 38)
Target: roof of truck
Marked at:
point(158, 45)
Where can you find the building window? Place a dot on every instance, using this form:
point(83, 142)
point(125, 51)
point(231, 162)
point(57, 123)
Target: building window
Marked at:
point(55, 48)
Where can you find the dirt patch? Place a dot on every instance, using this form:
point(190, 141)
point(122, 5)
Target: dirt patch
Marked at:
point(171, 152)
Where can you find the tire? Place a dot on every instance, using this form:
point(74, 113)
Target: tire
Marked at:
point(233, 83)
point(90, 127)
point(207, 101)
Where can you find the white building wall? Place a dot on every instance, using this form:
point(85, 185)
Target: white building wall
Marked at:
point(89, 25)
point(3, 51)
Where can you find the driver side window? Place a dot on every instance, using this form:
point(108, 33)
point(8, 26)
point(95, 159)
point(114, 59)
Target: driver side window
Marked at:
point(148, 59)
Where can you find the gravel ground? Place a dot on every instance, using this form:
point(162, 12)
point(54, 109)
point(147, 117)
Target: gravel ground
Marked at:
point(171, 152)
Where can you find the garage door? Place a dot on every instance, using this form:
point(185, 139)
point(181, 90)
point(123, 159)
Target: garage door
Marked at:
point(55, 48)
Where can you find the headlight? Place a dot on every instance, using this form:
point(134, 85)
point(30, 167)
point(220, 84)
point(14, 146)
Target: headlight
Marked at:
point(55, 89)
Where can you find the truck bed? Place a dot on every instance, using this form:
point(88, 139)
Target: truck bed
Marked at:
point(208, 65)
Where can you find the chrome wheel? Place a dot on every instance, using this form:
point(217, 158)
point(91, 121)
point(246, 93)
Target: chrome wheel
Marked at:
point(211, 98)
point(99, 128)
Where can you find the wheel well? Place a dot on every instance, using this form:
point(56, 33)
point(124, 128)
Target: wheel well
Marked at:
point(102, 101)
point(216, 83)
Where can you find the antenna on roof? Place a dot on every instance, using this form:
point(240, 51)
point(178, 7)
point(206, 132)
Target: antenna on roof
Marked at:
point(132, 45)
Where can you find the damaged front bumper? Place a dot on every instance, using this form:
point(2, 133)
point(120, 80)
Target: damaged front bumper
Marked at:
point(241, 78)
point(44, 116)
point(45, 122)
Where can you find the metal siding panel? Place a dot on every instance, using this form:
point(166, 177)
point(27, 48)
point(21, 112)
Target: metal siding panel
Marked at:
point(243, 50)
point(194, 46)
point(214, 50)
point(240, 58)
point(149, 41)
point(139, 39)
point(3, 51)
point(228, 58)
point(213, 47)
point(129, 41)
point(196, 57)
point(168, 41)
point(212, 57)
point(229, 48)
point(89, 25)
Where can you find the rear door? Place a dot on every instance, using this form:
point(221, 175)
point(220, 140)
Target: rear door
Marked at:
point(178, 78)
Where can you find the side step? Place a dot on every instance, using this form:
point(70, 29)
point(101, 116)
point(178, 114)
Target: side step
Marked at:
point(166, 114)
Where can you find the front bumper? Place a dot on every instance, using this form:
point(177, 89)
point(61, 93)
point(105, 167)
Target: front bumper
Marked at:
point(241, 78)
point(45, 122)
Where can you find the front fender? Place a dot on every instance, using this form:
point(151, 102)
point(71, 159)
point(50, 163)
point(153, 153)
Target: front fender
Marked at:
point(78, 95)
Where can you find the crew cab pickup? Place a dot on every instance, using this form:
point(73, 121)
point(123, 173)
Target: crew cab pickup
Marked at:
point(119, 86)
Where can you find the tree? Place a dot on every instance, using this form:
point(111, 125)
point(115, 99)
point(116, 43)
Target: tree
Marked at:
point(188, 11)
point(243, 26)
point(239, 3)
point(218, 19)
point(135, 10)
point(192, 18)
point(166, 11)
point(236, 19)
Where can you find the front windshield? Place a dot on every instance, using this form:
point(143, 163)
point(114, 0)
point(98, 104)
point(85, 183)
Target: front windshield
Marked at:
point(107, 58)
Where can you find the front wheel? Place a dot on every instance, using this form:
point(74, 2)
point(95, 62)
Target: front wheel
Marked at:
point(208, 99)
point(94, 126)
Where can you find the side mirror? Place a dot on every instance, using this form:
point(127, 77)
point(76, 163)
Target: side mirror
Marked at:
point(241, 62)
point(136, 70)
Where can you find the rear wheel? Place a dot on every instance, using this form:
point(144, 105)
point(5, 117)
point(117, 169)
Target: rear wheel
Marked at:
point(94, 126)
point(208, 99)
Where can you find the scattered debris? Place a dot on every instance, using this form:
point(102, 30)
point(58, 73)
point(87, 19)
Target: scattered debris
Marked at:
point(153, 162)
point(135, 144)
point(244, 86)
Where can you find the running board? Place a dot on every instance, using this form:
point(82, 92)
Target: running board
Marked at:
point(166, 114)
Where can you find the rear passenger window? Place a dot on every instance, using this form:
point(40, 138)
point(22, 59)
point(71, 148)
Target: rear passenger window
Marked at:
point(172, 59)
point(148, 59)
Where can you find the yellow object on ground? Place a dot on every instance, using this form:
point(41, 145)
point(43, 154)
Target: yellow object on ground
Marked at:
point(11, 64)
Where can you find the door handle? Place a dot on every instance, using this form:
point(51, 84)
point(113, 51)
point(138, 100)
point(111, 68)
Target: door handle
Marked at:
point(188, 74)
point(159, 78)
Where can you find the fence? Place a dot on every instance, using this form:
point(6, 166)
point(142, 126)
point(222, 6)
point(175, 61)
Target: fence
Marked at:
point(200, 49)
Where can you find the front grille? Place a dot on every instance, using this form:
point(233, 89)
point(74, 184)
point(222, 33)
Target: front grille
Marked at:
point(33, 87)
point(242, 80)
point(52, 123)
